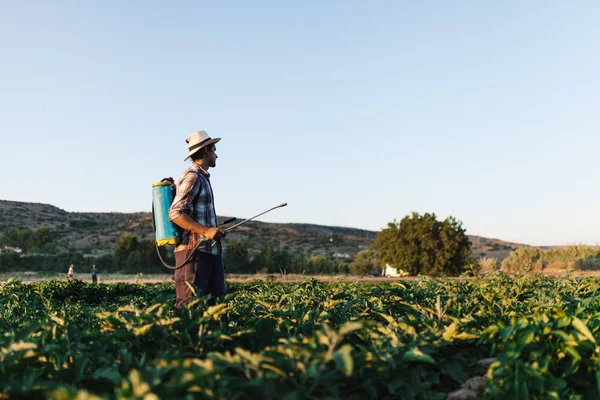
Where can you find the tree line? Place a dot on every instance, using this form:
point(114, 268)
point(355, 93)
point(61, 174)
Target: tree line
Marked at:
point(38, 241)
point(418, 244)
point(132, 255)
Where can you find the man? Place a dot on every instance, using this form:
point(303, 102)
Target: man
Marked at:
point(71, 273)
point(193, 209)
point(94, 275)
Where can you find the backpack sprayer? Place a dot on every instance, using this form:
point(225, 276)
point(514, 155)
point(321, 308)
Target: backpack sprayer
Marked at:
point(166, 232)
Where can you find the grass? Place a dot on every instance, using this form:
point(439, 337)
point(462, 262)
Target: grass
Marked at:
point(29, 276)
point(533, 259)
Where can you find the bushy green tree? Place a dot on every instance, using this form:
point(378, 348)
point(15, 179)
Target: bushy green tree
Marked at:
point(17, 237)
point(133, 256)
point(420, 244)
point(41, 241)
point(149, 256)
point(365, 261)
point(134, 262)
point(10, 262)
point(106, 263)
point(236, 259)
point(126, 245)
point(38, 241)
point(325, 265)
point(270, 259)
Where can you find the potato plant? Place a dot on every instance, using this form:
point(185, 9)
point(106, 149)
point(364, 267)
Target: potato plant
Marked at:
point(396, 340)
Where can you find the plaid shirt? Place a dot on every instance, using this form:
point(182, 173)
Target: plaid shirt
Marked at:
point(194, 198)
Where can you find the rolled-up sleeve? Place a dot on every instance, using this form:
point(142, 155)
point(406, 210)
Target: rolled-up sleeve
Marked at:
point(189, 186)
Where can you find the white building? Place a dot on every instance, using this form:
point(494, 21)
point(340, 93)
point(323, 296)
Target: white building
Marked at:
point(8, 249)
point(341, 255)
point(388, 270)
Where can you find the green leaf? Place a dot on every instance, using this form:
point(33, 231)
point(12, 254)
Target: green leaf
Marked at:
point(506, 332)
point(388, 318)
point(416, 355)
point(216, 312)
point(526, 338)
point(349, 327)
point(142, 330)
point(343, 360)
point(583, 329)
point(21, 345)
point(450, 332)
point(574, 353)
point(455, 370)
point(110, 373)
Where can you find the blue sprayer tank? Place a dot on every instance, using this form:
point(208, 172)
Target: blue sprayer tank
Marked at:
point(162, 196)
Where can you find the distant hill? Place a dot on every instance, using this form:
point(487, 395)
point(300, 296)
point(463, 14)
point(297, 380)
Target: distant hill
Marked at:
point(97, 233)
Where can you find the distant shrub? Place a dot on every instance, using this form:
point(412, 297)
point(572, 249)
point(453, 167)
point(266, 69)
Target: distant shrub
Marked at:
point(236, 259)
point(41, 262)
point(471, 268)
point(488, 264)
point(106, 263)
point(590, 263)
point(39, 241)
point(10, 262)
point(365, 262)
point(86, 223)
point(534, 259)
point(571, 253)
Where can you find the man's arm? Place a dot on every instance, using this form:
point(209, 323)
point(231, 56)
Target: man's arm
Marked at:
point(182, 207)
point(184, 221)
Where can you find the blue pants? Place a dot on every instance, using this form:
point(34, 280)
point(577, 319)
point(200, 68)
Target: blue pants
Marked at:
point(205, 271)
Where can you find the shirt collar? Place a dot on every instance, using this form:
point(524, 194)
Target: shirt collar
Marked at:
point(199, 168)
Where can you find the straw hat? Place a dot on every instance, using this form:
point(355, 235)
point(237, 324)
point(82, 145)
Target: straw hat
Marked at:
point(198, 140)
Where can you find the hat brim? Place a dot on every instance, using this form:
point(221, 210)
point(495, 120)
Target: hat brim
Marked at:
point(208, 143)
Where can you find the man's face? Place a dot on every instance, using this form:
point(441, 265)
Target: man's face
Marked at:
point(211, 153)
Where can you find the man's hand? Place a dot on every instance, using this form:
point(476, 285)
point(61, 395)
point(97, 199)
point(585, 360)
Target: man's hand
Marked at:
point(214, 233)
point(189, 224)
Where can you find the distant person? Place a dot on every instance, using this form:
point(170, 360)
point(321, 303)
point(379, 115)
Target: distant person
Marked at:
point(193, 209)
point(94, 275)
point(71, 273)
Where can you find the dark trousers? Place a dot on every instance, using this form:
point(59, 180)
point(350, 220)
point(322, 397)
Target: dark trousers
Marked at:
point(204, 271)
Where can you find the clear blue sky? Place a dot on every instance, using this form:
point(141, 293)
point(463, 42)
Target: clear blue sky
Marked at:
point(356, 113)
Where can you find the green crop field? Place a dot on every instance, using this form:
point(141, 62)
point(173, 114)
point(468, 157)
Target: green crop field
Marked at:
point(420, 339)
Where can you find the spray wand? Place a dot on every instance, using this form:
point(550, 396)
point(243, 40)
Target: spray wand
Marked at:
point(189, 257)
point(246, 220)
